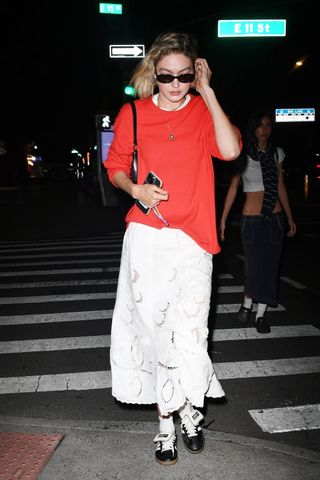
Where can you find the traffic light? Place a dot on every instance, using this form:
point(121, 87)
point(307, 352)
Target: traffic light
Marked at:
point(129, 90)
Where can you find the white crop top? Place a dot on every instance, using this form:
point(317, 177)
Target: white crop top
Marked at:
point(252, 175)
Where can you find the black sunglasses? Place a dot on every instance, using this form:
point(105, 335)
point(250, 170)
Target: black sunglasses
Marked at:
point(182, 78)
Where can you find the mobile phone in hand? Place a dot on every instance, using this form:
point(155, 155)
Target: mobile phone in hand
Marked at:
point(151, 179)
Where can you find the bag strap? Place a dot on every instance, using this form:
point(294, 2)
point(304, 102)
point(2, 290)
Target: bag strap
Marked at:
point(134, 166)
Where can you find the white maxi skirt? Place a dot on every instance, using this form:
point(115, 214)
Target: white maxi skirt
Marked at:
point(159, 328)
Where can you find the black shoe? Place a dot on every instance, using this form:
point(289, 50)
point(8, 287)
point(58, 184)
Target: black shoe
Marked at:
point(192, 434)
point(244, 314)
point(166, 451)
point(262, 325)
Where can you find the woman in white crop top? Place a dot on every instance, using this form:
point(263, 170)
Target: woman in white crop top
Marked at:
point(262, 222)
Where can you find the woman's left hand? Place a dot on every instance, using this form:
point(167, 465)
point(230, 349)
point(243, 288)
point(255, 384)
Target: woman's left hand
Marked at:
point(203, 74)
point(292, 228)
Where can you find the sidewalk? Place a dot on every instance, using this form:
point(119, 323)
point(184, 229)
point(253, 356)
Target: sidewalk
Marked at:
point(125, 451)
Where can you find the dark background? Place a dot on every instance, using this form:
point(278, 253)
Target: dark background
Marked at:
point(56, 73)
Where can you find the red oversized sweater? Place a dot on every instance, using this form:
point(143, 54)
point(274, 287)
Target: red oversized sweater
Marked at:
point(184, 165)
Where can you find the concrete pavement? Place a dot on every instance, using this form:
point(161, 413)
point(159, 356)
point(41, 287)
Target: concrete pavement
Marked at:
point(125, 451)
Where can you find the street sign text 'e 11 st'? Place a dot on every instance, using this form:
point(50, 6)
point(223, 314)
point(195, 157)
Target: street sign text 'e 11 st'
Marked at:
point(126, 51)
point(251, 28)
point(110, 8)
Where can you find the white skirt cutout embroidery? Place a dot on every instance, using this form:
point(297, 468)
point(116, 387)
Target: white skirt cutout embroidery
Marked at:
point(159, 328)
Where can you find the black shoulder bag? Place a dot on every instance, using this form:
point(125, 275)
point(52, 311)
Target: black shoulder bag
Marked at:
point(134, 166)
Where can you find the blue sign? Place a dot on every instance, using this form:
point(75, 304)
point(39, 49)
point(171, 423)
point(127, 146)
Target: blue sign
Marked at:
point(251, 28)
point(295, 114)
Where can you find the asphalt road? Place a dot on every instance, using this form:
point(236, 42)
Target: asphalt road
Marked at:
point(59, 258)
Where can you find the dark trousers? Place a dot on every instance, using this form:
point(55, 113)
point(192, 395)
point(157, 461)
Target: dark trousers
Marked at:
point(262, 240)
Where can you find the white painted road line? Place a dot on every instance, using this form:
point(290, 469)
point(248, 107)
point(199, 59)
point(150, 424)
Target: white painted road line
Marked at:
point(57, 298)
point(232, 334)
point(231, 289)
point(267, 368)
point(107, 281)
point(56, 383)
point(103, 341)
point(234, 308)
point(59, 246)
point(76, 316)
point(287, 419)
point(103, 253)
point(102, 379)
point(69, 271)
point(60, 262)
point(71, 241)
point(309, 235)
point(54, 344)
point(62, 283)
point(293, 283)
point(40, 318)
point(225, 276)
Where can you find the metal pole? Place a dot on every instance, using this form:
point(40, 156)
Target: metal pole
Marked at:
point(99, 171)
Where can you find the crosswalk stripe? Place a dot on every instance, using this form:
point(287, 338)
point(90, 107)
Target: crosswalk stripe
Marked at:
point(57, 298)
point(60, 262)
point(42, 318)
point(104, 281)
point(295, 284)
point(221, 308)
point(55, 247)
point(88, 315)
point(72, 241)
point(103, 341)
point(62, 283)
point(234, 308)
point(267, 368)
point(231, 289)
point(84, 253)
point(232, 334)
point(56, 382)
point(287, 419)
point(69, 271)
point(54, 344)
point(102, 379)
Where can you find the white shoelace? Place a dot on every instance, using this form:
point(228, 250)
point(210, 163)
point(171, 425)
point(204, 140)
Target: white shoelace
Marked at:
point(192, 430)
point(165, 445)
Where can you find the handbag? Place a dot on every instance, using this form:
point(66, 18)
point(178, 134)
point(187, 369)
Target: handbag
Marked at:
point(134, 165)
point(151, 177)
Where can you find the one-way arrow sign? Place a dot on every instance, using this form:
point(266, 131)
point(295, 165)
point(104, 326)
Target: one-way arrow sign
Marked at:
point(126, 51)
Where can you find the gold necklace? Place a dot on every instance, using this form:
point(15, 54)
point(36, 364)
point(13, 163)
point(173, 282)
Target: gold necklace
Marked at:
point(171, 134)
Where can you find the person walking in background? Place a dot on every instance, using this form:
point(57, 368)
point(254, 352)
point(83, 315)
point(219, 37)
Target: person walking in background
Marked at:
point(263, 221)
point(159, 329)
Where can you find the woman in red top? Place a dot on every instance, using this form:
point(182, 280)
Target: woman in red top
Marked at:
point(159, 327)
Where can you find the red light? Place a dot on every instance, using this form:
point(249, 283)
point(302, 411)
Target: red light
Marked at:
point(318, 165)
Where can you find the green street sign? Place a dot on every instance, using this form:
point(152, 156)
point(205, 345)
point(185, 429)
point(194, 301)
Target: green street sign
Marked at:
point(113, 8)
point(251, 28)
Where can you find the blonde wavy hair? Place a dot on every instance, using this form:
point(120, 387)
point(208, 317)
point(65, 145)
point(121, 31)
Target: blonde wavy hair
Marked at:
point(143, 77)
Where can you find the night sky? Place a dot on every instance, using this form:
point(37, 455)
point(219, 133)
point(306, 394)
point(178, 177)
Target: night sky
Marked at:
point(56, 74)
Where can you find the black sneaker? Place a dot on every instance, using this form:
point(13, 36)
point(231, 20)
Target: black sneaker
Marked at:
point(191, 431)
point(262, 325)
point(244, 314)
point(166, 451)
